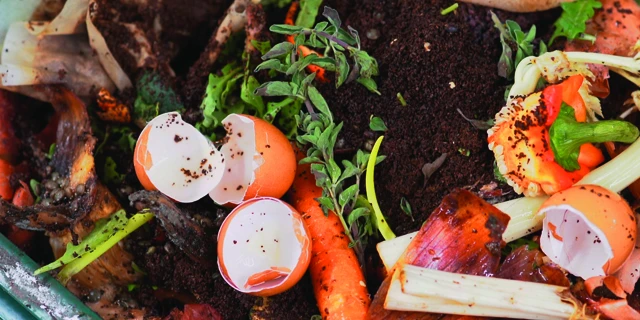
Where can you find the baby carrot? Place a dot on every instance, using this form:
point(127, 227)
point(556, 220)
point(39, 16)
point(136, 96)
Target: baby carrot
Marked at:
point(338, 282)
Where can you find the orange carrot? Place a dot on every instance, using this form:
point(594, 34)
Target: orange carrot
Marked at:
point(304, 51)
point(338, 282)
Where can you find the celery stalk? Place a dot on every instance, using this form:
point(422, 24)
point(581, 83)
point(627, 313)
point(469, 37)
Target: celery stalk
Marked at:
point(426, 290)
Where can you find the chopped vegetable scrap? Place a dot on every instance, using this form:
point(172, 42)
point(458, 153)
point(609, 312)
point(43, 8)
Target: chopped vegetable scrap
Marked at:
point(588, 230)
point(542, 144)
point(338, 281)
point(107, 233)
point(530, 264)
point(608, 298)
point(463, 235)
point(241, 169)
point(111, 109)
point(264, 248)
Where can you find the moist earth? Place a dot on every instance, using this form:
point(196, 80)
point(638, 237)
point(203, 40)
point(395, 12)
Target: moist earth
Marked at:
point(438, 64)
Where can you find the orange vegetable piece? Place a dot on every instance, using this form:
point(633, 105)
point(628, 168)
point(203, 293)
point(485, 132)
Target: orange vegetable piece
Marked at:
point(338, 282)
point(112, 109)
point(521, 143)
point(21, 198)
point(304, 51)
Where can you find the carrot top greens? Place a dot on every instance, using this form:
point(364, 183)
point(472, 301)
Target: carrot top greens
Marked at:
point(318, 130)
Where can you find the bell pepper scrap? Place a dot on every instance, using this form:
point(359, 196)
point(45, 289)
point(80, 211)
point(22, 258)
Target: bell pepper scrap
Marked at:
point(542, 142)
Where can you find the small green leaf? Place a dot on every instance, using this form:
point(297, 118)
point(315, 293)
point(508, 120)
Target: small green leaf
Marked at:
point(52, 150)
point(326, 202)
point(285, 29)
point(406, 207)
point(356, 214)
point(464, 152)
point(131, 287)
point(262, 46)
point(271, 64)
point(369, 83)
point(318, 101)
point(307, 160)
point(308, 12)
point(349, 171)
point(247, 95)
point(342, 68)
point(321, 26)
point(376, 124)
point(333, 17)
point(334, 170)
point(321, 174)
point(275, 88)
point(348, 195)
point(111, 174)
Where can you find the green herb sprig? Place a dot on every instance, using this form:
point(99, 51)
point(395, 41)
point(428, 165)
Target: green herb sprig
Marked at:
point(512, 36)
point(317, 129)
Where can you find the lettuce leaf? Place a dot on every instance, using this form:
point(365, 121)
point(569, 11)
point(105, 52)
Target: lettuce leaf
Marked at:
point(572, 22)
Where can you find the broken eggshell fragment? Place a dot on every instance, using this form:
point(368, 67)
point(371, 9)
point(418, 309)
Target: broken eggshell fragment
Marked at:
point(173, 157)
point(259, 159)
point(264, 247)
point(588, 230)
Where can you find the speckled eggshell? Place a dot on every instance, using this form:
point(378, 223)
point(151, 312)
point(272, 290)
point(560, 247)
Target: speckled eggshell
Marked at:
point(275, 176)
point(608, 211)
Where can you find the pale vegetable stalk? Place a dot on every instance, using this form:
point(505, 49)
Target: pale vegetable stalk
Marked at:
point(426, 290)
point(614, 175)
point(234, 21)
point(558, 65)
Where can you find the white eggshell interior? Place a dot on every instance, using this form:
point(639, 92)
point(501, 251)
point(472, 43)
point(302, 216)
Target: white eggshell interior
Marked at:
point(186, 165)
point(262, 235)
point(629, 273)
point(583, 249)
point(240, 159)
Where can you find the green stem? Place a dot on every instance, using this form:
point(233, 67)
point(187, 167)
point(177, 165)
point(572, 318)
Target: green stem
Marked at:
point(77, 265)
point(567, 135)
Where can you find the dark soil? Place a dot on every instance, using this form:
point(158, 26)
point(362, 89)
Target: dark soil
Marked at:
point(458, 71)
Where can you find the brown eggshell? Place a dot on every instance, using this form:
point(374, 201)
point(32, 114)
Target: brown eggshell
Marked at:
point(608, 211)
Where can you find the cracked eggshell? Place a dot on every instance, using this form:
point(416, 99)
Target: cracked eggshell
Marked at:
point(275, 176)
point(264, 248)
point(173, 157)
point(588, 230)
point(630, 271)
point(259, 160)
